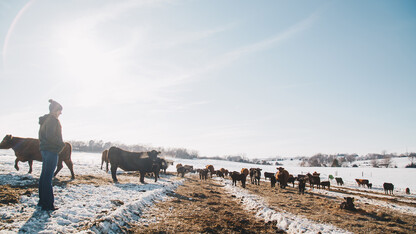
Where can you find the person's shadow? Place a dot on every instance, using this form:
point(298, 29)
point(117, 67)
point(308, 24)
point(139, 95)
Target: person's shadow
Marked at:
point(36, 223)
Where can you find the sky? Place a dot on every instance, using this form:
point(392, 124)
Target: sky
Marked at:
point(253, 78)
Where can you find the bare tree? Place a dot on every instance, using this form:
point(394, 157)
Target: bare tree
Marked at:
point(387, 161)
point(374, 163)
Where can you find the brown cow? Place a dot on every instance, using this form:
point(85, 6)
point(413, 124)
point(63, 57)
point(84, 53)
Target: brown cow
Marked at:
point(314, 179)
point(245, 171)
point(104, 158)
point(362, 182)
point(27, 150)
point(210, 169)
point(282, 177)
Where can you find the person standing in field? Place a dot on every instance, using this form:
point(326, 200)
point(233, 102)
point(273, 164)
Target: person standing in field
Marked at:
point(51, 143)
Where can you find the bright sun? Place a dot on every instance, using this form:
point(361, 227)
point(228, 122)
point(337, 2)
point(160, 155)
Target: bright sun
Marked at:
point(87, 63)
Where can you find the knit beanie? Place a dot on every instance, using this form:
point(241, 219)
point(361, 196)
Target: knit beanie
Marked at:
point(54, 106)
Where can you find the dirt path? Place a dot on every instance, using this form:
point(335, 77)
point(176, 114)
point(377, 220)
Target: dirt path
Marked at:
point(321, 208)
point(201, 207)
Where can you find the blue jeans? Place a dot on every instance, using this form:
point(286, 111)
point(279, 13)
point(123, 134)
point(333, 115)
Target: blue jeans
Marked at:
point(49, 162)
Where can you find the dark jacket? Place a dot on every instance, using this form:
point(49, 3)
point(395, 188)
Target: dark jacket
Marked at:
point(50, 134)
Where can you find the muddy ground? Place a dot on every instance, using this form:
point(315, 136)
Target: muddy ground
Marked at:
point(205, 207)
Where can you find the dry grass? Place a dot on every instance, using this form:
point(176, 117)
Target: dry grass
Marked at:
point(320, 208)
point(201, 207)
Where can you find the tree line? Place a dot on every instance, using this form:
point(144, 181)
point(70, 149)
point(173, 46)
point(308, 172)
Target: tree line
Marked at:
point(317, 160)
point(377, 160)
point(98, 146)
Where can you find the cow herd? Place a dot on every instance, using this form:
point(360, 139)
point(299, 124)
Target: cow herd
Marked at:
point(27, 150)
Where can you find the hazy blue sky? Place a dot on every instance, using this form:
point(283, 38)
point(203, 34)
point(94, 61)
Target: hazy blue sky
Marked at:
point(260, 78)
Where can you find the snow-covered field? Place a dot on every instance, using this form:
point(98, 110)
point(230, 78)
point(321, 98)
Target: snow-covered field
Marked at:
point(402, 178)
point(110, 206)
point(106, 207)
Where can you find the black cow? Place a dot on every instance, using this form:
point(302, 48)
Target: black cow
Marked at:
point(236, 176)
point(326, 184)
point(339, 181)
point(302, 185)
point(272, 178)
point(134, 161)
point(203, 174)
point(388, 188)
point(348, 204)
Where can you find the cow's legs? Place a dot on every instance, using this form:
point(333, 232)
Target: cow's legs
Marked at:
point(142, 177)
point(58, 168)
point(70, 166)
point(30, 162)
point(16, 164)
point(113, 173)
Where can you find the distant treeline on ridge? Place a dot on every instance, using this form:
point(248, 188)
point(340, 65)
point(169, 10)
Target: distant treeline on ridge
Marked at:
point(318, 160)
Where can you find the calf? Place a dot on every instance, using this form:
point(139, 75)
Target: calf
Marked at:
point(236, 176)
point(257, 176)
point(302, 185)
point(362, 182)
point(272, 178)
point(181, 171)
point(219, 173)
point(407, 191)
point(189, 168)
point(291, 179)
point(339, 181)
point(314, 179)
point(370, 185)
point(203, 174)
point(348, 204)
point(325, 184)
point(388, 188)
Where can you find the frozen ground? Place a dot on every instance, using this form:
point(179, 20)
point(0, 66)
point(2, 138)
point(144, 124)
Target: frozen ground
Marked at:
point(286, 221)
point(106, 208)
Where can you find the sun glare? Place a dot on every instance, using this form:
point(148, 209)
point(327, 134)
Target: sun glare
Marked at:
point(87, 62)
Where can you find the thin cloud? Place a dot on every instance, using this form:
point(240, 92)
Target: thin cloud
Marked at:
point(230, 57)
